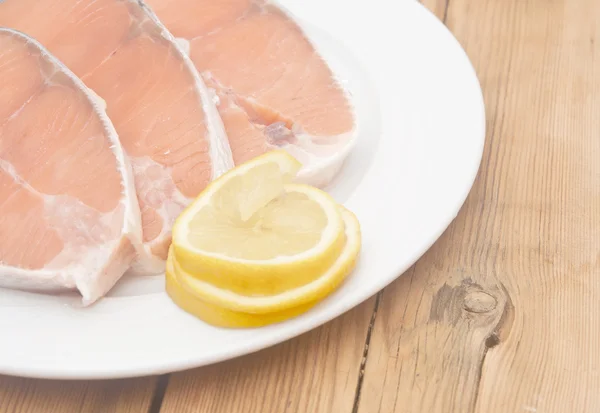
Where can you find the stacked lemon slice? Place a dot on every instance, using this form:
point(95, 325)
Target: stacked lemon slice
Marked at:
point(255, 249)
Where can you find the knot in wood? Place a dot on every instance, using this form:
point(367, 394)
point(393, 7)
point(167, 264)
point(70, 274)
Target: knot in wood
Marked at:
point(479, 302)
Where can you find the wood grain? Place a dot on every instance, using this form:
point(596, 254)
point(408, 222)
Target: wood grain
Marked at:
point(501, 315)
point(316, 372)
point(19, 395)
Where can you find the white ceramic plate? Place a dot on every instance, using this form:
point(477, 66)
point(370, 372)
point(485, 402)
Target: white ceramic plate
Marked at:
point(422, 127)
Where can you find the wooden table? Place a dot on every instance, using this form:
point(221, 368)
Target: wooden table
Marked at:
point(501, 315)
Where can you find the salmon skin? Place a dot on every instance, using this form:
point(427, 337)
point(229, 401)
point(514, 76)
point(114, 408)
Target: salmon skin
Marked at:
point(274, 89)
point(162, 110)
point(69, 216)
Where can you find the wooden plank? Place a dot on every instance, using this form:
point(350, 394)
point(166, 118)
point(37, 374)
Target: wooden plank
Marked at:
point(19, 395)
point(502, 314)
point(316, 372)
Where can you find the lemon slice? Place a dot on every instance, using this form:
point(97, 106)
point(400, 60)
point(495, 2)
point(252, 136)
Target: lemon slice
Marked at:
point(253, 232)
point(219, 316)
point(228, 309)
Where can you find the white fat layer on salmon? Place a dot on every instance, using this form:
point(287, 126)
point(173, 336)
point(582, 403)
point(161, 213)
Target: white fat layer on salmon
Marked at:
point(184, 45)
point(94, 256)
point(217, 37)
point(161, 194)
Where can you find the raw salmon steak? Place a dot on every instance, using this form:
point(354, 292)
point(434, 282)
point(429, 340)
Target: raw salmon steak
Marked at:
point(163, 112)
point(69, 217)
point(274, 89)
